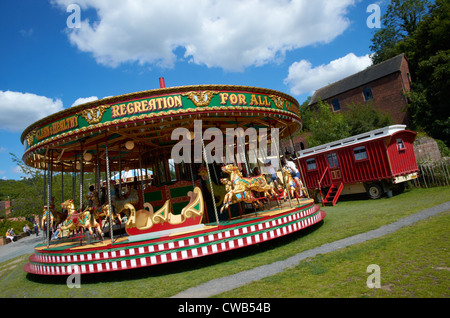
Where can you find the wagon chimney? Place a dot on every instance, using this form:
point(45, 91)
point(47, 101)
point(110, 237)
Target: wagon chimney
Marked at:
point(162, 83)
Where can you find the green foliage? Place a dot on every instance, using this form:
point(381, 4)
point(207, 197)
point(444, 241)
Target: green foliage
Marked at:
point(401, 19)
point(324, 125)
point(7, 224)
point(423, 34)
point(28, 194)
point(443, 149)
point(364, 117)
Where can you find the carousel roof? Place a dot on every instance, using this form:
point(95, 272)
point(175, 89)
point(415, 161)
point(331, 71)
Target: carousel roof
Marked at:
point(140, 124)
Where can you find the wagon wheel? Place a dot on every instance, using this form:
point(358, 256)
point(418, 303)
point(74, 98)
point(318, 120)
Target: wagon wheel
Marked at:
point(374, 191)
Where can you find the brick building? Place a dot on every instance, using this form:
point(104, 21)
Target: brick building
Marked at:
point(383, 84)
point(5, 207)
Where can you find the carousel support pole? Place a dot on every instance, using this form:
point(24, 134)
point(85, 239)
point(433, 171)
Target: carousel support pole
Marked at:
point(108, 189)
point(120, 170)
point(45, 182)
point(282, 174)
point(192, 175)
point(49, 194)
point(48, 215)
point(142, 176)
point(74, 178)
point(98, 173)
point(298, 162)
point(210, 182)
point(62, 182)
point(81, 178)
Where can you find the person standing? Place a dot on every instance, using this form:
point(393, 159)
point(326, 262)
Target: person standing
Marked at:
point(36, 228)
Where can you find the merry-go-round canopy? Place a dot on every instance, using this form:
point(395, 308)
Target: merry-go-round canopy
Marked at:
point(140, 124)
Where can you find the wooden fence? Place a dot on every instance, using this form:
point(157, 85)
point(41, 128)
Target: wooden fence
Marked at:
point(434, 174)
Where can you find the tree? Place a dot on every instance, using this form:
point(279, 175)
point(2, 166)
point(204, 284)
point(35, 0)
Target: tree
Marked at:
point(364, 117)
point(324, 125)
point(401, 19)
point(424, 36)
point(429, 55)
point(29, 194)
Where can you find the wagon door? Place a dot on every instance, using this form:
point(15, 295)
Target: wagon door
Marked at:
point(335, 170)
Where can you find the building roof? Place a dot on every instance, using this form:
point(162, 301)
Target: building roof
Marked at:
point(368, 75)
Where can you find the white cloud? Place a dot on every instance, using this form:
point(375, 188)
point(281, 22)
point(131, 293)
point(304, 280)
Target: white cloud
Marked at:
point(83, 100)
point(304, 78)
point(231, 34)
point(19, 110)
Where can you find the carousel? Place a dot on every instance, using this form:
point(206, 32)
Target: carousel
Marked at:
point(202, 186)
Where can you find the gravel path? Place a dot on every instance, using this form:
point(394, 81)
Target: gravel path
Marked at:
point(227, 283)
point(23, 246)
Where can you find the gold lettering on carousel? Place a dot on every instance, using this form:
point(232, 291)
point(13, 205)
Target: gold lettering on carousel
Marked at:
point(57, 127)
point(146, 106)
point(292, 107)
point(258, 100)
point(233, 99)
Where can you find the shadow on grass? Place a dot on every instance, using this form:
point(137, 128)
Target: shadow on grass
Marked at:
point(180, 266)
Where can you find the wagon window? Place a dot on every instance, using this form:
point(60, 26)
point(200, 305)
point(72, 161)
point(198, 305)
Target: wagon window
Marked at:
point(333, 161)
point(360, 153)
point(311, 164)
point(400, 144)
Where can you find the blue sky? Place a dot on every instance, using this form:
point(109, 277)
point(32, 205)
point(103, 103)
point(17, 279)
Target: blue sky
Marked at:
point(120, 47)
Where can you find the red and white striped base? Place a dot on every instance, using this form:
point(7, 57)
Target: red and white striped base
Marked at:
point(129, 255)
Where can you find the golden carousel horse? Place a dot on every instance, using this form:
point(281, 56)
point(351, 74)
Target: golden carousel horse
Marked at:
point(76, 220)
point(293, 189)
point(232, 197)
point(240, 187)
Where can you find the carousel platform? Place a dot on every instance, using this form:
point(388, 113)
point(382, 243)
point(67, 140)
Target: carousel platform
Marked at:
point(128, 252)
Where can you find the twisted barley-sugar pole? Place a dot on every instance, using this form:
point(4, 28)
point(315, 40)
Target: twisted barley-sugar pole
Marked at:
point(108, 189)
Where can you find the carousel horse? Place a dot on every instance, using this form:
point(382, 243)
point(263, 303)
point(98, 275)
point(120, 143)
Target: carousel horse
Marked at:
point(219, 190)
point(103, 213)
point(241, 187)
point(241, 184)
point(55, 216)
point(76, 220)
point(291, 186)
point(293, 189)
point(232, 197)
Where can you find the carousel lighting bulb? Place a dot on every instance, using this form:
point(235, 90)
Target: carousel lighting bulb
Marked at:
point(87, 156)
point(129, 145)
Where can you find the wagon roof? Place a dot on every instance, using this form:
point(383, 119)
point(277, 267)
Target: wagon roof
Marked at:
point(354, 140)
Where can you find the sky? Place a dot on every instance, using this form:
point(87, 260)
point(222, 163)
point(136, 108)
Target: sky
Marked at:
point(59, 53)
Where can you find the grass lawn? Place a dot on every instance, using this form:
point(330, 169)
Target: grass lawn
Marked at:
point(337, 274)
